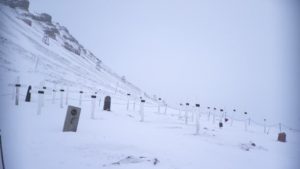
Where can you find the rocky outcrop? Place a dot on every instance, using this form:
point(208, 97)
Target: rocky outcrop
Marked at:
point(70, 48)
point(51, 32)
point(22, 4)
point(43, 17)
point(27, 21)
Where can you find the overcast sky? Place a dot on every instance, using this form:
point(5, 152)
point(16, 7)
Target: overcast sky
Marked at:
point(223, 53)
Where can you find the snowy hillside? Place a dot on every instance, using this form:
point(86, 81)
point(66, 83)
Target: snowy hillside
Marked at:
point(39, 47)
point(35, 51)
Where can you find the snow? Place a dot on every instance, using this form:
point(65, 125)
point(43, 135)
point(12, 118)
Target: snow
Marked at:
point(116, 139)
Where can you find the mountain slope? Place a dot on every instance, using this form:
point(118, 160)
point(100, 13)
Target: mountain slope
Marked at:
point(38, 47)
point(44, 54)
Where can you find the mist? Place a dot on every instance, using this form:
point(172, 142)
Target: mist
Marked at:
point(233, 54)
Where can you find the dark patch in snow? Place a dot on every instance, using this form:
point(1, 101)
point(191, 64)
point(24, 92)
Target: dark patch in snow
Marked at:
point(251, 146)
point(134, 160)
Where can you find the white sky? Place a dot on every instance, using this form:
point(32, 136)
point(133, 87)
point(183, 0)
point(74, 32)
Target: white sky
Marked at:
point(228, 54)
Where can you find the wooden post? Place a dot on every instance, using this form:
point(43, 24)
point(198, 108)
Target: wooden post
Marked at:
point(197, 118)
point(179, 111)
point(53, 96)
point(80, 97)
point(44, 88)
point(93, 106)
point(128, 95)
point(158, 105)
point(40, 102)
point(142, 110)
point(61, 98)
point(18, 85)
point(186, 113)
point(214, 115)
point(208, 116)
point(231, 123)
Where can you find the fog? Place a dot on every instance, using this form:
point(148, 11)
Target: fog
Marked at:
point(227, 54)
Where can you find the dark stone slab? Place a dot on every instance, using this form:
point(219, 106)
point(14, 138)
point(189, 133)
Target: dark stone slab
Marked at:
point(107, 103)
point(72, 119)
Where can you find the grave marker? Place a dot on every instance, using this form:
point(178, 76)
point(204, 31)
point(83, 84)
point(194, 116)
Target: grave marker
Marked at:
point(40, 102)
point(128, 95)
point(197, 119)
point(281, 137)
point(186, 113)
point(28, 95)
point(93, 106)
point(158, 105)
point(17, 93)
point(61, 98)
point(53, 96)
point(107, 103)
point(142, 110)
point(72, 119)
point(80, 97)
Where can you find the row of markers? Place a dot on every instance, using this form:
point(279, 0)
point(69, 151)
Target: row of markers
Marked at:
point(41, 100)
point(141, 111)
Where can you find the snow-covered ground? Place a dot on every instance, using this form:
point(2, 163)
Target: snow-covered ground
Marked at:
point(116, 139)
point(37, 141)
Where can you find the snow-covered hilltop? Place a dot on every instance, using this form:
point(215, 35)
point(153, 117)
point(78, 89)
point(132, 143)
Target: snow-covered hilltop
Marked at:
point(39, 48)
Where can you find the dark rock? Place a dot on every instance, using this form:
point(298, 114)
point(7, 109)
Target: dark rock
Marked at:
point(27, 21)
point(43, 17)
point(282, 137)
point(22, 4)
point(70, 38)
point(71, 48)
point(51, 32)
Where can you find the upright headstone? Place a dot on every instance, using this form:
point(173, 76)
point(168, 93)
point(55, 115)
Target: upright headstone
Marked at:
point(220, 124)
point(28, 94)
point(282, 137)
point(72, 119)
point(107, 103)
point(1, 156)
